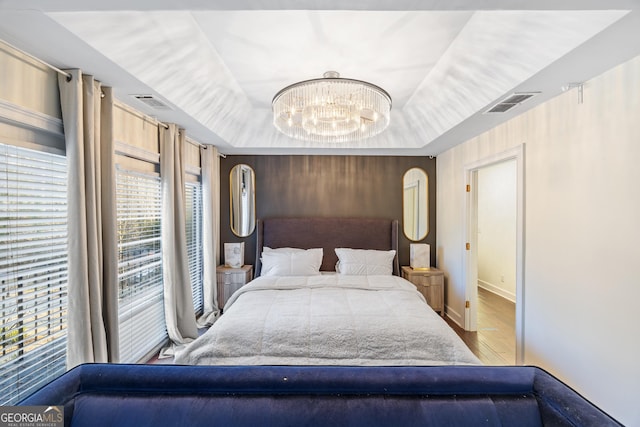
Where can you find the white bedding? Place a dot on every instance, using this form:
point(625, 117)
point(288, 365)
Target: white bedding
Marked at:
point(328, 320)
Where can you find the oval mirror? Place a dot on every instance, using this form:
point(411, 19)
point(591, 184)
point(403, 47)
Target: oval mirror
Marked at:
point(415, 204)
point(242, 200)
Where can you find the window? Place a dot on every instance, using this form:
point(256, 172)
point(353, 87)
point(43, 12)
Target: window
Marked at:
point(140, 303)
point(193, 203)
point(33, 270)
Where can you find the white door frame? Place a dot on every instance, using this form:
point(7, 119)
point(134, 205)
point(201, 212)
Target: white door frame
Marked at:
point(470, 272)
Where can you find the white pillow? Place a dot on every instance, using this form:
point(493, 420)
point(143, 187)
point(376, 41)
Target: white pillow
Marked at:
point(293, 262)
point(363, 262)
point(283, 250)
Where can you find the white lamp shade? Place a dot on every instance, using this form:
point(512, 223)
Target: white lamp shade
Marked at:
point(419, 256)
point(234, 254)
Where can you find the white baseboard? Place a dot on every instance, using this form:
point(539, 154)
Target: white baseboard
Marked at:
point(454, 316)
point(497, 290)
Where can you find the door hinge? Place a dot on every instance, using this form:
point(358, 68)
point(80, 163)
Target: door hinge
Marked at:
point(467, 304)
point(468, 188)
point(468, 246)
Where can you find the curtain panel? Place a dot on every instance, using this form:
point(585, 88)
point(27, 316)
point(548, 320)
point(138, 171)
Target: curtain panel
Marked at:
point(178, 304)
point(210, 166)
point(92, 318)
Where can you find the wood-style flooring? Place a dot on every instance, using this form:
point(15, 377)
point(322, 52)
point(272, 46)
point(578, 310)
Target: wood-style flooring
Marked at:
point(495, 341)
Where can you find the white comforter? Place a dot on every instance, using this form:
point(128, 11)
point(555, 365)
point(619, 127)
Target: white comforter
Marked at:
point(328, 320)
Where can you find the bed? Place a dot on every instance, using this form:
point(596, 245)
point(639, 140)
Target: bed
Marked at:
point(300, 311)
point(289, 394)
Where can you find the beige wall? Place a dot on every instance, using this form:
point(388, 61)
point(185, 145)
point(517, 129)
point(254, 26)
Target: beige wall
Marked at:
point(582, 210)
point(28, 83)
point(30, 103)
point(137, 141)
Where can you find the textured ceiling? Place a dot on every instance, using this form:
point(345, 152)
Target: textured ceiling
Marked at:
point(219, 69)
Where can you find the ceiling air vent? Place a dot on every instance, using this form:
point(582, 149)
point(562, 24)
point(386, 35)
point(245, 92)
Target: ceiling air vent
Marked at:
point(511, 101)
point(152, 102)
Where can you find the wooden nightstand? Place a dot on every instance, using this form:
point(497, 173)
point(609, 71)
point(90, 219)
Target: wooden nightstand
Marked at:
point(430, 283)
point(230, 280)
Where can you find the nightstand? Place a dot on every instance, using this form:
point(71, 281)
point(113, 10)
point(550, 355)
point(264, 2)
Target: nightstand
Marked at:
point(230, 280)
point(430, 283)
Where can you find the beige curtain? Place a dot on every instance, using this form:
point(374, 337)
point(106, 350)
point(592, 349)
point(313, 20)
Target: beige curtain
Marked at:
point(92, 318)
point(178, 304)
point(210, 167)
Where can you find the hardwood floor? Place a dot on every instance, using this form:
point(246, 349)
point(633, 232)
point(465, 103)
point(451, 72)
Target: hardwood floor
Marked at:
point(495, 341)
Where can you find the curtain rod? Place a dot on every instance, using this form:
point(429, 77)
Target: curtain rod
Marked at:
point(58, 70)
point(118, 103)
point(194, 142)
point(139, 114)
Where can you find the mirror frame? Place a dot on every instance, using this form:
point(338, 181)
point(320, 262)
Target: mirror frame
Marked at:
point(406, 232)
point(237, 219)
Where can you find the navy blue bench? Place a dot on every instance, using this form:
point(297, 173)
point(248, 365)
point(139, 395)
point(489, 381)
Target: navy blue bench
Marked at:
point(169, 395)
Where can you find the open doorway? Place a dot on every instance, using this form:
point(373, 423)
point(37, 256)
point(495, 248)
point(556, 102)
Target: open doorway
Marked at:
point(494, 266)
point(496, 249)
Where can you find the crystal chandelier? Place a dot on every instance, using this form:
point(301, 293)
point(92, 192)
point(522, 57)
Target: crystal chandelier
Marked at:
point(331, 109)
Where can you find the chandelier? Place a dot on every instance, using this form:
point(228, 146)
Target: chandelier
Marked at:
point(331, 109)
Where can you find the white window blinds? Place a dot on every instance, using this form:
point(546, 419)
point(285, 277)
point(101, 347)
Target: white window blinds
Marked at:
point(193, 205)
point(140, 304)
point(33, 270)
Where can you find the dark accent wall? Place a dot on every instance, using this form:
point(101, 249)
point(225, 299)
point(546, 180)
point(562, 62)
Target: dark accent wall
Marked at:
point(327, 186)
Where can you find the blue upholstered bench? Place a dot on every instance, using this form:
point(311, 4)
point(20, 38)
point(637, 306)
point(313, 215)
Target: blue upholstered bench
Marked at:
point(169, 395)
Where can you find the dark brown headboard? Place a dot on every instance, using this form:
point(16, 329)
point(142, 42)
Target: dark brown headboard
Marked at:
point(328, 234)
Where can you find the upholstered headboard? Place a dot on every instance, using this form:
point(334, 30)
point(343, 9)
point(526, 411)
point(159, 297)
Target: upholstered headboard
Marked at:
point(328, 234)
